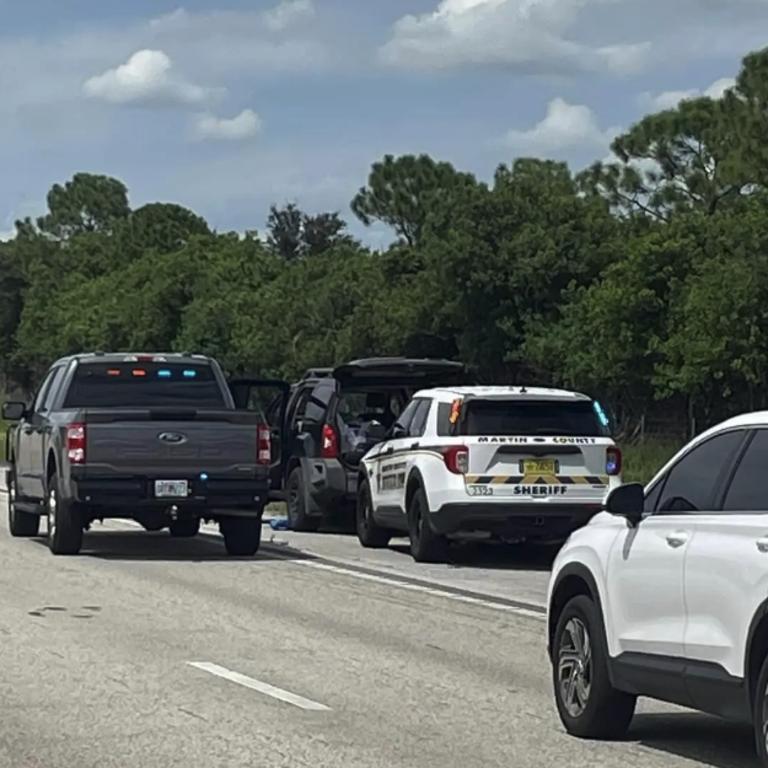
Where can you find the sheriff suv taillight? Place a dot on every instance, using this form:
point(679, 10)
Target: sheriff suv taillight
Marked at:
point(330, 443)
point(76, 443)
point(264, 444)
point(613, 461)
point(456, 458)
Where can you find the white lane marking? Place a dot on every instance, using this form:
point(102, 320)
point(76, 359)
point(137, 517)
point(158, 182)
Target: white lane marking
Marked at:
point(390, 581)
point(433, 591)
point(258, 685)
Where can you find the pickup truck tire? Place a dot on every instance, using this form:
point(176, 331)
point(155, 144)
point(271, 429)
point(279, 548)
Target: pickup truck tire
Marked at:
point(20, 524)
point(185, 529)
point(371, 535)
point(296, 502)
point(65, 525)
point(242, 535)
point(427, 546)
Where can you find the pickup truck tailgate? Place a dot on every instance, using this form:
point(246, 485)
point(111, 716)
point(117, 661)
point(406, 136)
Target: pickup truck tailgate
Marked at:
point(161, 443)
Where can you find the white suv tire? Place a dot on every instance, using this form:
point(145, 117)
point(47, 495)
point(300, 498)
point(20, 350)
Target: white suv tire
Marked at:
point(588, 705)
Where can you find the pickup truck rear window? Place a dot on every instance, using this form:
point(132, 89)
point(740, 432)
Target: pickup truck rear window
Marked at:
point(144, 385)
point(527, 418)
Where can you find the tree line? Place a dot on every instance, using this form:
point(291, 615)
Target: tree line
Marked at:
point(643, 280)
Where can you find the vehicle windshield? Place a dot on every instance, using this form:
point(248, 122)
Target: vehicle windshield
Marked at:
point(144, 385)
point(510, 417)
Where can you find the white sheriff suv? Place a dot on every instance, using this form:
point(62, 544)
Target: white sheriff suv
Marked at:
point(512, 462)
point(666, 593)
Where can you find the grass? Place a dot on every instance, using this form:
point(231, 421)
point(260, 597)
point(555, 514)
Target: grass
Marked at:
point(642, 460)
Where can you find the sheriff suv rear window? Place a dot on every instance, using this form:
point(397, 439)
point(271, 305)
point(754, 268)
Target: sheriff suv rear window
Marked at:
point(526, 418)
point(144, 385)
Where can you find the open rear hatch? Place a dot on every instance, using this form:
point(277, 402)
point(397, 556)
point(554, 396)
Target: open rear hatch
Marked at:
point(401, 371)
point(385, 378)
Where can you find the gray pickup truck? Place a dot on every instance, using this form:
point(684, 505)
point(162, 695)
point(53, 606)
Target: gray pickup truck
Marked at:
point(153, 438)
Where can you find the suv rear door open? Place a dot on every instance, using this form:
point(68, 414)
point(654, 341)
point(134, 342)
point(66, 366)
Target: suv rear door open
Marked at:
point(268, 397)
point(379, 380)
point(400, 371)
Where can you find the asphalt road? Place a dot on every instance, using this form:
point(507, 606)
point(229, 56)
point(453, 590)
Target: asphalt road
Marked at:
point(147, 651)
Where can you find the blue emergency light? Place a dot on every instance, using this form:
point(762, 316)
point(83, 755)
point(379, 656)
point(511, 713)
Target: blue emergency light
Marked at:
point(600, 413)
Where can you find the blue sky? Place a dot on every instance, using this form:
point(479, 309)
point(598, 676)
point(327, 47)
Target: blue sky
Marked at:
point(227, 106)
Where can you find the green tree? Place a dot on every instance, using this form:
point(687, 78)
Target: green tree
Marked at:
point(715, 350)
point(608, 334)
point(402, 192)
point(673, 161)
point(507, 259)
point(284, 231)
point(163, 227)
point(87, 203)
point(745, 110)
point(322, 232)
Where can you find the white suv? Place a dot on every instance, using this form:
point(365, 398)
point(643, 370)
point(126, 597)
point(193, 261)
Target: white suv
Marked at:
point(513, 462)
point(666, 594)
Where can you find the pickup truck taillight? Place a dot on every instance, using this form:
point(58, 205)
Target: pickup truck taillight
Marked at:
point(456, 458)
point(265, 444)
point(76, 443)
point(330, 443)
point(613, 461)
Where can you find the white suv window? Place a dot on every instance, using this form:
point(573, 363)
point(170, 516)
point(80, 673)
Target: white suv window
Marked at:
point(747, 491)
point(691, 485)
point(420, 418)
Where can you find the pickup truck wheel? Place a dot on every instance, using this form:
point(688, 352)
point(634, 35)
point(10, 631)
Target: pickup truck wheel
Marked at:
point(20, 524)
point(298, 518)
point(65, 526)
point(427, 546)
point(185, 529)
point(589, 706)
point(369, 533)
point(242, 535)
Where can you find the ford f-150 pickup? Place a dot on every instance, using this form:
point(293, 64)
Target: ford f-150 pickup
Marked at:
point(153, 438)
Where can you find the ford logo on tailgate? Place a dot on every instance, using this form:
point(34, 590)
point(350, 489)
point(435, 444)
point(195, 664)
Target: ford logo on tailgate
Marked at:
point(174, 438)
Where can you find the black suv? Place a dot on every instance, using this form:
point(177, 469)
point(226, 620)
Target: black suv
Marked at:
point(324, 424)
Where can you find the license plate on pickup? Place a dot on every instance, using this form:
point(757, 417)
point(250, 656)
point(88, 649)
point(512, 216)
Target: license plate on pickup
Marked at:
point(171, 489)
point(539, 467)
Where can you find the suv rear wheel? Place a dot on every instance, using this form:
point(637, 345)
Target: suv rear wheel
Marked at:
point(427, 546)
point(369, 533)
point(298, 518)
point(20, 524)
point(588, 705)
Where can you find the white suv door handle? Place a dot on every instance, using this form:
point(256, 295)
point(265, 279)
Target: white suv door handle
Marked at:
point(762, 544)
point(677, 539)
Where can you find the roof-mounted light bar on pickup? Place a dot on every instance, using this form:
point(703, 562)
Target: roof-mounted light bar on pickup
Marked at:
point(145, 359)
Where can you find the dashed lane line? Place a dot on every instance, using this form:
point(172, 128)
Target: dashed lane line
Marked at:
point(259, 686)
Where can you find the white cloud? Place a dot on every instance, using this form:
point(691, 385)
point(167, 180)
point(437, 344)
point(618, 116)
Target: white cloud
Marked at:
point(243, 126)
point(6, 235)
point(221, 43)
point(670, 99)
point(287, 13)
point(146, 77)
point(527, 35)
point(565, 128)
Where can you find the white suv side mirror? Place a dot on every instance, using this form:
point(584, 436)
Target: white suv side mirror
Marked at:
point(627, 501)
